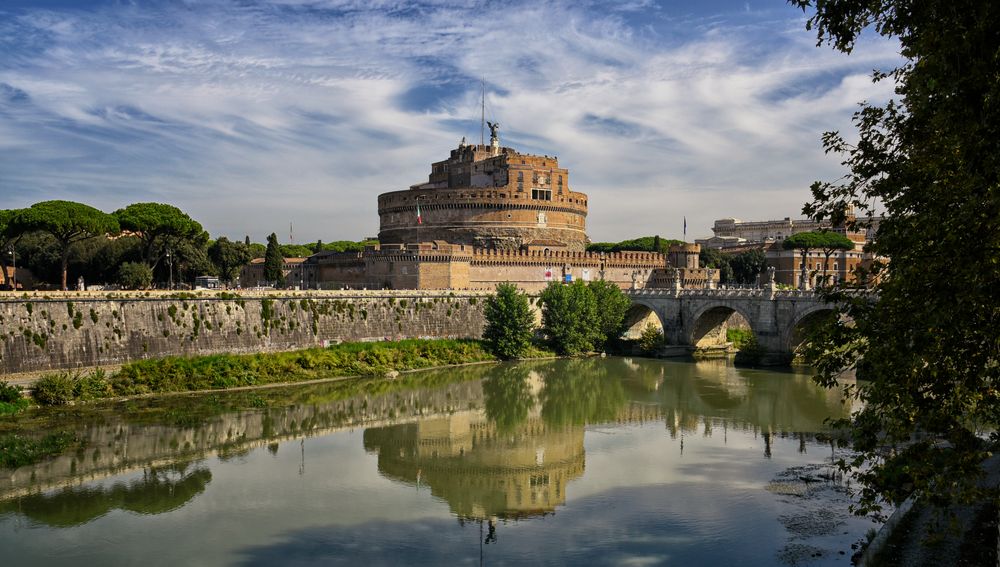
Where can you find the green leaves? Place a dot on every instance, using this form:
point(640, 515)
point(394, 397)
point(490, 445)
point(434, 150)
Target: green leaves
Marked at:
point(509, 322)
point(273, 262)
point(68, 222)
point(929, 346)
point(158, 225)
point(578, 317)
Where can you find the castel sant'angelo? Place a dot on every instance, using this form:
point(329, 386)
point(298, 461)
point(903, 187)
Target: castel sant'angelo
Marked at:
point(489, 214)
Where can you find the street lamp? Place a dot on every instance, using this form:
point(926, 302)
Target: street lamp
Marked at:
point(170, 267)
point(13, 261)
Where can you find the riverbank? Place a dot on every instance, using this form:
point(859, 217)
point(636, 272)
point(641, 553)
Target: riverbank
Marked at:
point(231, 371)
point(966, 535)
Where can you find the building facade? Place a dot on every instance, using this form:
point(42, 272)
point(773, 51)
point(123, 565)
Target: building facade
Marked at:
point(489, 198)
point(486, 215)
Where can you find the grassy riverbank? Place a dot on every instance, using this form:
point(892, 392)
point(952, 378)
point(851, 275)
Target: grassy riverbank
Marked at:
point(225, 371)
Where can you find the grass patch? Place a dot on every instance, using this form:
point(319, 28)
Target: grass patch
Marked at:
point(219, 372)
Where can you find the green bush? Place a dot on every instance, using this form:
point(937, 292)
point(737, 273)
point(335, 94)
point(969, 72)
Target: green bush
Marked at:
point(651, 339)
point(134, 275)
point(9, 392)
point(569, 318)
point(751, 352)
point(509, 322)
point(739, 337)
point(55, 389)
point(11, 399)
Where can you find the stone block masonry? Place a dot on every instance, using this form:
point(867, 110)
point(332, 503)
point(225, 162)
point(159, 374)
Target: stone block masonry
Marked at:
point(55, 331)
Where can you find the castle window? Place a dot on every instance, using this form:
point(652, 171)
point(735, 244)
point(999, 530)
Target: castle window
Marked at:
point(520, 186)
point(541, 194)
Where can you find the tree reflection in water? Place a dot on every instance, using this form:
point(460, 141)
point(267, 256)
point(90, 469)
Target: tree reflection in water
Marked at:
point(508, 397)
point(160, 490)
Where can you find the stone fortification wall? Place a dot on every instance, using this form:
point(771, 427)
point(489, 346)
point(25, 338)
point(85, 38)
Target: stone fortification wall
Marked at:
point(57, 331)
point(532, 270)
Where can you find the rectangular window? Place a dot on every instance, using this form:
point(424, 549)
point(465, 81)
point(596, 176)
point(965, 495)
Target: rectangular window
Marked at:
point(541, 194)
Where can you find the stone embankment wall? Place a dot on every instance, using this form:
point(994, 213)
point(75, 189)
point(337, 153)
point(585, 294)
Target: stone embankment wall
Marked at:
point(66, 330)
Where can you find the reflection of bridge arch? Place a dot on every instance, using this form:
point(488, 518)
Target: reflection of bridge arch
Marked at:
point(796, 333)
point(709, 324)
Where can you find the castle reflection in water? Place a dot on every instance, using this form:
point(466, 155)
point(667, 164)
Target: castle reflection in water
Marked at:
point(493, 441)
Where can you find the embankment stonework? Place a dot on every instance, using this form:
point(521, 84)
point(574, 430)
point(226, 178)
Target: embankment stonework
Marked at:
point(61, 331)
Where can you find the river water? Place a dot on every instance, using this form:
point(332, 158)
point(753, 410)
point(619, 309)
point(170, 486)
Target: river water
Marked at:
point(613, 461)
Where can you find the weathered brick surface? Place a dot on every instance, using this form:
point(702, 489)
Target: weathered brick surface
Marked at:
point(55, 332)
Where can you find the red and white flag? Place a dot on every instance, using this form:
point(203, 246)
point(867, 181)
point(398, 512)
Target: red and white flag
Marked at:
point(420, 220)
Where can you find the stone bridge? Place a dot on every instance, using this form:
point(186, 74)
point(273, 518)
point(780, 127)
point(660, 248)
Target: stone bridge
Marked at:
point(699, 318)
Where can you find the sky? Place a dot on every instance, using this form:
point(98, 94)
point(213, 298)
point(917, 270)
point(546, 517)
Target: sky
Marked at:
point(256, 116)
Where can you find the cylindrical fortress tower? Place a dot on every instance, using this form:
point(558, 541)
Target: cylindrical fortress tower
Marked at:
point(488, 197)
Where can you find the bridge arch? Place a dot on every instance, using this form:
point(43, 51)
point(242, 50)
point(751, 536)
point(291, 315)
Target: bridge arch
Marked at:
point(796, 333)
point(638, 317)
point(708, 325)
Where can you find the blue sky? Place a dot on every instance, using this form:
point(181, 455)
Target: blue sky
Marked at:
point(253, 114)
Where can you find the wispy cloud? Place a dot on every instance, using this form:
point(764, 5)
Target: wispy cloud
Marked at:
point(251, 114)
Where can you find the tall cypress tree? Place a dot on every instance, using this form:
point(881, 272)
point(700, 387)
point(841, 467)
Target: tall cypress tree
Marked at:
point(273, 262)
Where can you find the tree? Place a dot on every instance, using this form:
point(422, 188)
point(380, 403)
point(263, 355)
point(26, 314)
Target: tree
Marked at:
point(273, 262)
point(8, 238)
point(711, 258)
point(295, 251)
point(612, 307)
point(229, 257)
point(569, 317)
point(928, 339)
point(651, 339)
point(747, 266)
point(509, 322)
point(833, 242)
point(826, 241)
point(135, 275)
point(68, 222)
point(158, 226)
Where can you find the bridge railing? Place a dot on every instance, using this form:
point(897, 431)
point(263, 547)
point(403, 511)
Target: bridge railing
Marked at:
point(724, 293)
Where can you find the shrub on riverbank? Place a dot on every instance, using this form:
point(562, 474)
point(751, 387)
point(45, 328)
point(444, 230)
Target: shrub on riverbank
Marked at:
point(11, 400)
point(222, 371)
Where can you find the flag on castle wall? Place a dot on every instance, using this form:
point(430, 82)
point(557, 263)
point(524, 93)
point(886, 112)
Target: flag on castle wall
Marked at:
point(419, 219)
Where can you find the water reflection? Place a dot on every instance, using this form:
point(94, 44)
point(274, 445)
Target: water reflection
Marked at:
point(159, 490)
point(496, 441)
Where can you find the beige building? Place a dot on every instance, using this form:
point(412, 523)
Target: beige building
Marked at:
point(293, 269)
point(490, 214)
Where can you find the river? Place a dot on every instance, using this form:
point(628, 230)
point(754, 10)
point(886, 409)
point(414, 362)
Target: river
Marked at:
point(616, 461)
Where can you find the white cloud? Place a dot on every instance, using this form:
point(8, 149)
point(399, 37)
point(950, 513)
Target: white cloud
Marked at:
point(249, 116)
